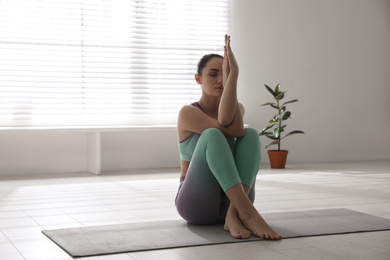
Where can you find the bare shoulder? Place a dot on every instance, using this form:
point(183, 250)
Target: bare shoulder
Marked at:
point(187, 109)
point(186, 113)
point(192, 120)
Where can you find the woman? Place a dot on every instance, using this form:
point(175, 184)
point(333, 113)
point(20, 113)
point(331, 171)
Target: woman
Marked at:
point(219, 158)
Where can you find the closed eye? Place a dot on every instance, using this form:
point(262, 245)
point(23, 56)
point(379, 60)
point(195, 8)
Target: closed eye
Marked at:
point(214, 72)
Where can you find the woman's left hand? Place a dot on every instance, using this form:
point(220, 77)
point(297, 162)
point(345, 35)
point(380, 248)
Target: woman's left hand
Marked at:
point(231, 60)
point(229, 109)
point(225, 63)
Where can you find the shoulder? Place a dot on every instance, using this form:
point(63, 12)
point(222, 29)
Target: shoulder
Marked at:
point(185, 108)
point(188, 116)
point(189, 110)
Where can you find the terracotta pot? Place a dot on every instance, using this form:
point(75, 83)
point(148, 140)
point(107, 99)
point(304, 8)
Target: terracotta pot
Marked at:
point(277, 158)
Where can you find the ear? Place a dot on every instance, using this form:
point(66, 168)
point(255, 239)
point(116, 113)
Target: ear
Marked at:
point(197, 78)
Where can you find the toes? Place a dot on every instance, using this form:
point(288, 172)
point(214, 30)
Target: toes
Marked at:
point(277, 236)
point(270, 236)
point(240, 235)
point(247, 235)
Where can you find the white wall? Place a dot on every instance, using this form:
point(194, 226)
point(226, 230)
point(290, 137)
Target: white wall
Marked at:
point(332, 55)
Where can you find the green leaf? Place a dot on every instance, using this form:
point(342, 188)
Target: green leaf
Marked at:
point(277, 89)
point(265, 133)
point(281, 129)
point(270, 104)
point(280, 96)
point(270, 90)
point(266, 128)
point(293, 133)
point(277, 132)
point(286, 115)
point(272, 143)
point(291, 101)
point(282, 109)
point(270, 136)
point(272, 121)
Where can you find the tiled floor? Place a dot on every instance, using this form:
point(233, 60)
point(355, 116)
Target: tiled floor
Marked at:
point(31, 203)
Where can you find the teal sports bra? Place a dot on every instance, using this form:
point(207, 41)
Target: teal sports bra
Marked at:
point(187, 147)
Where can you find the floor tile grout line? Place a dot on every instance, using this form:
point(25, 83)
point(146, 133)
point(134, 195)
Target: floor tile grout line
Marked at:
point(10, 241)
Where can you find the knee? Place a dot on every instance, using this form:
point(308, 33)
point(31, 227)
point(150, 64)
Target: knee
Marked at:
point(213, 136)
point(251, 131)
point(252, 134)
point(212, 132)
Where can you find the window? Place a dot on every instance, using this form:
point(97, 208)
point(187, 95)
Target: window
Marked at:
point(99, 62)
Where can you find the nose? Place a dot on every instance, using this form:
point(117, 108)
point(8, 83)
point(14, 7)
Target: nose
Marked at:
point(220, 78)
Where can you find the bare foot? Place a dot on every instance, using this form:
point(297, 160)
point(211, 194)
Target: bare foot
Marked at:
point(234, 225)
point(255, 223)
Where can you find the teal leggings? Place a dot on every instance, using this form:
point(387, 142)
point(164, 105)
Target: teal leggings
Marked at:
point(218, 163)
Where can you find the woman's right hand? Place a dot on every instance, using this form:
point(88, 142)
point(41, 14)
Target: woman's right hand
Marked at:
point(228, 106)
point(231, 60)
point(225, 63)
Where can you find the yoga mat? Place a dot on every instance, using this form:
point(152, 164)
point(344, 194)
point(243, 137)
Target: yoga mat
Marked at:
point(120, 238)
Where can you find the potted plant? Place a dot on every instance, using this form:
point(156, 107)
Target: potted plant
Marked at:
point(276, 127)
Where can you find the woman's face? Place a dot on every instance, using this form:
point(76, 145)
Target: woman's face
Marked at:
point(211, 78)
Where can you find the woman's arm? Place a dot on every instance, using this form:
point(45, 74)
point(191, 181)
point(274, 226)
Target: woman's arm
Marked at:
point(193, 120)
point(229, 103)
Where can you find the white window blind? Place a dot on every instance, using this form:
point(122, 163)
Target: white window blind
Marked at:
point(99, 62)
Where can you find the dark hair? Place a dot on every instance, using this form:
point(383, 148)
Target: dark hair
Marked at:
point(206, 58)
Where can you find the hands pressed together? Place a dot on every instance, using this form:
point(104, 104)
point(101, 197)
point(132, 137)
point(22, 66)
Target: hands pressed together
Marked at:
point(229, 65)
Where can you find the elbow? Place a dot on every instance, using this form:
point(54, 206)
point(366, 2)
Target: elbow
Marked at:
point(238, 132)
point(241, 132)
point(224, 122)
